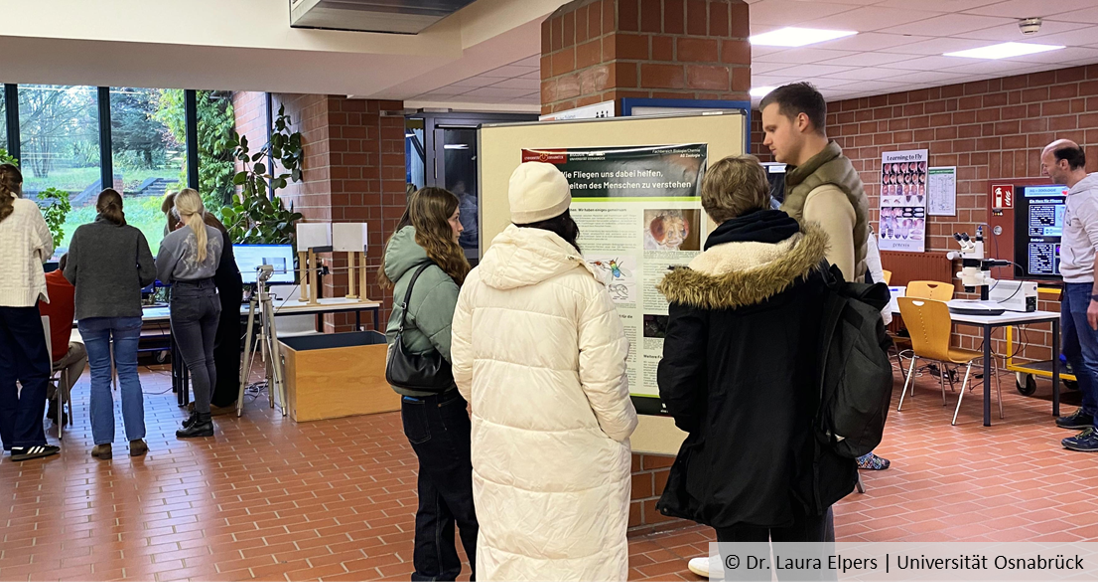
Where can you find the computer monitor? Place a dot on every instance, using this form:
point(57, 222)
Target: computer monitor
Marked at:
point(1038, 226)
point(250, 257)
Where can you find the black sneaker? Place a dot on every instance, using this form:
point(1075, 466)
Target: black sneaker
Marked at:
point(34, 452)
point(1086, 441)
point(201, 426)
point(1077, 421)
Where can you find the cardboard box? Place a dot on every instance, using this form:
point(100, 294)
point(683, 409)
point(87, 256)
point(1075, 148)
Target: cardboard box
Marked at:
point(336, 375)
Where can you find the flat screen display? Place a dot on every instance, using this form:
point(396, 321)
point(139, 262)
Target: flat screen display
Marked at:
point(250, 257)
point(1038, 226)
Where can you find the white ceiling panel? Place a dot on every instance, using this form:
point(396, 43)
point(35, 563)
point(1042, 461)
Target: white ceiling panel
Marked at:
point(868, 60)
point(951, 6)
point(870, 18)
point(937, 46)
point(927, 64)
point(868, 42)
point(1032, 8)
point(935, 77)
point(791, 12)
point(814, 70)
point(982, 67)
point(949, 25)
point(800, 56)
point(497, 92)
point(871, 74)
point(1081, 37)
point(527, 84)
point(1068, 55)
point(1011, 33)
point(1089, 16)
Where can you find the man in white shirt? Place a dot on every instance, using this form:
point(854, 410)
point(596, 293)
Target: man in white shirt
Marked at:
point(1064, 162)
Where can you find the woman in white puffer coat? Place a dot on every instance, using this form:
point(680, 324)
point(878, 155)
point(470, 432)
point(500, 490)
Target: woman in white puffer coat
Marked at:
point(539, 352)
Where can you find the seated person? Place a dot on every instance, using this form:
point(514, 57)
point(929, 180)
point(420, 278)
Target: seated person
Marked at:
point(67, 355)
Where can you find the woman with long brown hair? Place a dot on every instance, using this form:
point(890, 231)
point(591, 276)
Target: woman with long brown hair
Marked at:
point(427, 258)
point(24, 357)
point(108, 310)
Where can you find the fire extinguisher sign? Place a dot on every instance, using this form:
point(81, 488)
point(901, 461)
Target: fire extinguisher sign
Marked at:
point(1002, 196)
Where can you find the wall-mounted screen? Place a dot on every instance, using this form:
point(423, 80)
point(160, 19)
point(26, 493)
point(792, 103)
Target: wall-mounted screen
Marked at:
point(1038, 226)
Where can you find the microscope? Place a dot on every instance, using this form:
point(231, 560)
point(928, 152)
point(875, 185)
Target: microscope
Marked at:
point(996, 296)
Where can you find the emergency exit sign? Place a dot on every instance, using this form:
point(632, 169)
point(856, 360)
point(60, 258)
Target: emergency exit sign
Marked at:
point(1002, 196)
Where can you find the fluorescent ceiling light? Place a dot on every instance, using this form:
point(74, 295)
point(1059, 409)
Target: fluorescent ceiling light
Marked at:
point(793, 37)
point(761, 91)
point(1005, 50)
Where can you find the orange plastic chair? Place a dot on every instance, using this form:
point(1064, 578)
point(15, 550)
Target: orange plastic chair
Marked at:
point(887, 276)
point(935, 290)
point(930, 325)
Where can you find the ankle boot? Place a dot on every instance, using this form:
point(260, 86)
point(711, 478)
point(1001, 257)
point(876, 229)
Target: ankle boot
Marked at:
point(190, 420)
point(201, 427)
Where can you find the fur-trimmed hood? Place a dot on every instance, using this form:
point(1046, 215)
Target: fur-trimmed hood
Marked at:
point(739, 274)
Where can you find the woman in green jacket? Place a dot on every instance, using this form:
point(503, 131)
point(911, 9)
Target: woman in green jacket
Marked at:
point(436, 424)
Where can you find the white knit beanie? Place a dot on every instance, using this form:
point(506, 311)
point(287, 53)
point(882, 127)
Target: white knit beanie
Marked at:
point(538, 191)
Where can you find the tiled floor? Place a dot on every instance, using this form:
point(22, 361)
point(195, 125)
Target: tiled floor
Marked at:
point(273, 500)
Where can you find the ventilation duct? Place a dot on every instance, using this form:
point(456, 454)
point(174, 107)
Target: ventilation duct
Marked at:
point(393, 16)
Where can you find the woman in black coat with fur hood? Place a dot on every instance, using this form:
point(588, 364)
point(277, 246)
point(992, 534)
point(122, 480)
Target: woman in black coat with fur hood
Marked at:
point(740, 372)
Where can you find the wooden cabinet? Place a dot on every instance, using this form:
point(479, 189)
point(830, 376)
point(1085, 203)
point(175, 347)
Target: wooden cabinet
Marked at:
point(336, 375)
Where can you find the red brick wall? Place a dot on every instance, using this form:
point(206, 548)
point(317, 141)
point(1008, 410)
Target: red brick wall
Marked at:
point(649, 478)
point(991, 130)
point(597, 50)
point(353, 172)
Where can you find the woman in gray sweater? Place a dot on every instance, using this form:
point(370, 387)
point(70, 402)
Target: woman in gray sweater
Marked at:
point(108, 306)
point(188, 260)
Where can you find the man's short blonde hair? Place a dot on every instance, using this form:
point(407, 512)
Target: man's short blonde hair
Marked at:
point(735, 186)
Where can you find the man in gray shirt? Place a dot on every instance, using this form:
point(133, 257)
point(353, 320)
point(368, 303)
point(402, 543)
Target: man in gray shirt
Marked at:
point(1064, 162)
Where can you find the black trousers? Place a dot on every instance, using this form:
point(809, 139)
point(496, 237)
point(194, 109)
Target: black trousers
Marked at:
point(227, 341)
point(805, 528)
point(439, 430)
point(194, 310)
point(23, 358)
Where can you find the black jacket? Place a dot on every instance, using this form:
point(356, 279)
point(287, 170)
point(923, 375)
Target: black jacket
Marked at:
point(739, 374)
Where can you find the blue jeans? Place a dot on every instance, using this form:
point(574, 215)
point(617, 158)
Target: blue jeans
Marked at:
point(23, 357)
point(126, 332)
point(1080, 342)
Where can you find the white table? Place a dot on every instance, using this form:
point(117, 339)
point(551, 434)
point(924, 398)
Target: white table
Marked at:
point(162, 314)
point(986, 323)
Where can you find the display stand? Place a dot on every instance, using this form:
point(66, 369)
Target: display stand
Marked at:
point(350, 238)
point(268, 341)
point(313, 238)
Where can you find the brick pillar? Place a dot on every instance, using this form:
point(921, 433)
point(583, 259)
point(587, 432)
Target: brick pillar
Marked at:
point(598, 50)
point(353, 172)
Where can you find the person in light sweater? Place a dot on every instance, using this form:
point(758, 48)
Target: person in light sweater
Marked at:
point(24, 356)
point(1065, 162)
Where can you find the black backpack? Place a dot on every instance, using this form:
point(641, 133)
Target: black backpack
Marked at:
point(856, 373)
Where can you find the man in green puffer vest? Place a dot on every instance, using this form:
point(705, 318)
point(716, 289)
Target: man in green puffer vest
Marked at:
point(821, 185)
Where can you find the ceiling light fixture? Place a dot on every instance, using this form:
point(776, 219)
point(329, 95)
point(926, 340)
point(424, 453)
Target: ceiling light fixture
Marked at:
point(1005, 50)
point(761, 91)
point(792, 36)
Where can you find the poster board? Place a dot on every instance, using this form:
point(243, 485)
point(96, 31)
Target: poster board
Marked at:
point(903, 201)
point(501, 150)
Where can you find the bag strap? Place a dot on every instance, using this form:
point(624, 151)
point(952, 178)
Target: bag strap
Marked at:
point(408, 296)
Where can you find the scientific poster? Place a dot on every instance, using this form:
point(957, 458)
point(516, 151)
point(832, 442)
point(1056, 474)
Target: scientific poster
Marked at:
point(903, 201)
point(941, 191)
point(639, 213)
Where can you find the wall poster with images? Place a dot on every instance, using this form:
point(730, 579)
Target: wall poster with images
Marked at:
point(639, 213)
point(903, 198)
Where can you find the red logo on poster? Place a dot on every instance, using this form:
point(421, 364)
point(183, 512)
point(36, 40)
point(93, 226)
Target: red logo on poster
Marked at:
point(1002, 196)
point(546, 156)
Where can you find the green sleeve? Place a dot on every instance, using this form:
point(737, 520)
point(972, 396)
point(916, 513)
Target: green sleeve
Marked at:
point(436, 313)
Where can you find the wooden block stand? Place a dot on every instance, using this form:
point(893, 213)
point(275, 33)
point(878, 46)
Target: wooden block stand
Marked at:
point(337, 375)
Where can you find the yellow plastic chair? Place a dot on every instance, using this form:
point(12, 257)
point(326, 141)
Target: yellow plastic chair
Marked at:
point(887, 276)
point(935, 290)
point(930, 325)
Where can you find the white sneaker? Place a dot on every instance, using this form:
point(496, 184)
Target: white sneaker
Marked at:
point(700, 566)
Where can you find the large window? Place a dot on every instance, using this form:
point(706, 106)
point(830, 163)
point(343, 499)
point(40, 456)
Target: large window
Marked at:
point(62, 132)
point(59, 140)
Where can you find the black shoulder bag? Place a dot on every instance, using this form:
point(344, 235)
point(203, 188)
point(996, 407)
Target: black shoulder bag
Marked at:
point(426, 372)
